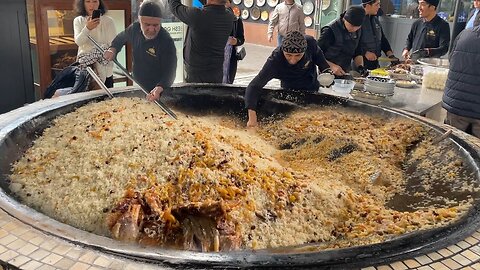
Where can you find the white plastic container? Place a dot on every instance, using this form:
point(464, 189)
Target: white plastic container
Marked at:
point(343, 86)
point(434, 77)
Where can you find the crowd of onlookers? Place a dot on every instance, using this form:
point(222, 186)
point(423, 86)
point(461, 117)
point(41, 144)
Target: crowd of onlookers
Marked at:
point(354, 41)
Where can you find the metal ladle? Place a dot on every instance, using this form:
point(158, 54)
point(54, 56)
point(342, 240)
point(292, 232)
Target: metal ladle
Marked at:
point(157, 102)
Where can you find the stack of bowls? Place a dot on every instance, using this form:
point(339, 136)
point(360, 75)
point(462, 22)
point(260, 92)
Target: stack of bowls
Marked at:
point(379, 85)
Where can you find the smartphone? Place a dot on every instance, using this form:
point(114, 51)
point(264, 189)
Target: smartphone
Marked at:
point(96, 14)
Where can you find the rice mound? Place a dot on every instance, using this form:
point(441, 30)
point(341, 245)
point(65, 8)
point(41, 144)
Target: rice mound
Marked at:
point(287, 184)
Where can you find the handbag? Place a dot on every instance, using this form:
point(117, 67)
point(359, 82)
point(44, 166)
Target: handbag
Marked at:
point(240, 52)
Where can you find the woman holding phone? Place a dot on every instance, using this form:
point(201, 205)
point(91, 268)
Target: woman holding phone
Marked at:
point(91, 20)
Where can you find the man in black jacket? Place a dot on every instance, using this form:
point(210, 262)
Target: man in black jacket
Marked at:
point(154, 53)
point(207, 34)
point(429, 35)
point(461, 98)
point(474, 15)
point(295, 63)
point(373, 41)
point(340, 42)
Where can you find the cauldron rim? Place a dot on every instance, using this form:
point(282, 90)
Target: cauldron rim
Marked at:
point(396, 248)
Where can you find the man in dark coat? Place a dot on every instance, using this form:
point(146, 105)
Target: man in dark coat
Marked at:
point(461, 98)
point(294, 63)
point(207, 33)
point(474, 15)
point(429, 35)
point(154, 53)
point(373, 41)
point(340, 42)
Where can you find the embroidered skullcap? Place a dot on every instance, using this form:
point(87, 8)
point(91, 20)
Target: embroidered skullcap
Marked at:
point(355, 15)
point(150, 9)
point(294, 42)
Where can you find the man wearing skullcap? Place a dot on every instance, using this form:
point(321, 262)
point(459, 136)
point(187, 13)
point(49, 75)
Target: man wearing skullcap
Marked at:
point(294, 63)
point(429, 35)
point(154, 53)
point(373, 40)
point(207, 33)
point(340, 42)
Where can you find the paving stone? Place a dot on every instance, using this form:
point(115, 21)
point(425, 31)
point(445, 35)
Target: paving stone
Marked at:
point(472, 256)
point(95, 268)
point(471, 240)
point(8, 239)
point(451, 264)
point(10, 226)
point(425, 267)
point(88, 257)
point(49, 244)
point(476, 266)
point(17, 244)
point(2, 249)
point(439, 266)
point(64, 263)
point(118, 265)
point(454, 248)
point(62, 249)
point(8, 255)
point(74, 253)
point(31, 265)
point(80, 266)
point(27, 249)
point(384, 267)
point(37, 240)
point(398, 266)
point(369, 268)
point(411, 263)
point(19, 260)
point(463, 245)
point(445, 252)
point(19, 231)
point(423, 259)
point(46, 267)
point(102, 261)
point(52, 259)
point(461, 260)
point(39, 254)
point(3, 233)
point(435, 256)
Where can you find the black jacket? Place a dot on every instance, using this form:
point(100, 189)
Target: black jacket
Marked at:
point(207, 34)
point(301, 76)
point(434, 35)
point(372, 38)
point(462, 90)
point(339, 45)
point(154, 60)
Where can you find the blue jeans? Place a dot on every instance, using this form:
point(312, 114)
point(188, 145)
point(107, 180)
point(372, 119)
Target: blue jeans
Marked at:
point(279, 40)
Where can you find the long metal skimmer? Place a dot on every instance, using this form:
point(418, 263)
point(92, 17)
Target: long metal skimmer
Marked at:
point(99, 82)
point(125, 71)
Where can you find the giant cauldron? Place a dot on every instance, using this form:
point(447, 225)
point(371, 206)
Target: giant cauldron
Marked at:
point(19, 128)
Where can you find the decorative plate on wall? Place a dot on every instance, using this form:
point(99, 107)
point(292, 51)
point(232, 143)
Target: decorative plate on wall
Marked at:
point(236, 11)
point(325, 4)
point(264, 15)
point(308, 21)
point(298, 2)
point(245, 14)
point(248, 3)
point(272, 3)
point(308, 7)
point(237, 2)
point(260, 3)
point(255, 13)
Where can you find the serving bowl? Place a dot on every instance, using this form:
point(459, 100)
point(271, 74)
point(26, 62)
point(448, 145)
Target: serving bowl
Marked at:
point(343, 86)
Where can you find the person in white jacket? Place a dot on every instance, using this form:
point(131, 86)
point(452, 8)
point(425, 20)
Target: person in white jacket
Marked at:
point(289, 17)
point(101, 29)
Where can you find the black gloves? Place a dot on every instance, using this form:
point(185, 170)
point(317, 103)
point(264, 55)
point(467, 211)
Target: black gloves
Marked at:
point(395, 61)
point(422, 53)
point(363, 71)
